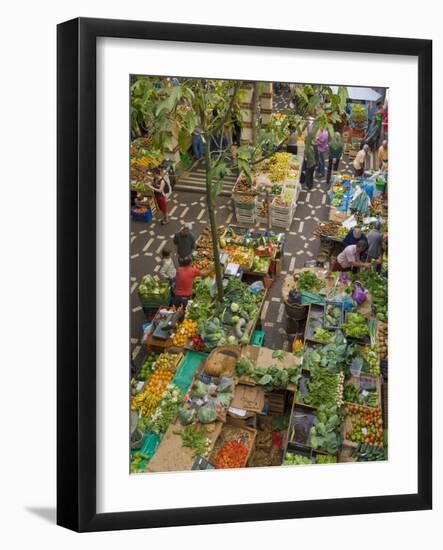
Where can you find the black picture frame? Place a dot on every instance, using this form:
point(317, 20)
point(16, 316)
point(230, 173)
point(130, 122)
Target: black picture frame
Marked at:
point(76, 281)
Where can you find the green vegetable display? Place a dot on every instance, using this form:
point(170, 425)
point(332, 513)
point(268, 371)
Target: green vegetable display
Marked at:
point(326, 459)
point(324, 388)
point(369, 453)
point(322, 335)
point(356, 325)
point(371, 360)
point(195, 439)
point(332, 316)
point(325, 433)
point(352, 394)
point(202, 307)
point(166, 410)
point(295, 460)
point(212, 333)
point(260, 265)
point(309, 282)
point(272, 377)
point(333, 356)
point(152, 288)
point(136, 462)
point(378, 286)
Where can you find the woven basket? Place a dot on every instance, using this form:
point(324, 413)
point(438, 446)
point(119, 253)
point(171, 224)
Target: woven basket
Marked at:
point(222, 360)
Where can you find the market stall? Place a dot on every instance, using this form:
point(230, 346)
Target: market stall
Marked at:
point(270, 197)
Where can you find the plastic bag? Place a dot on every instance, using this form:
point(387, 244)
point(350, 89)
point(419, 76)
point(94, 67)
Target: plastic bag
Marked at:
point(224, 399)
point(358, 294)
point(256, 287)
point(199, 389)
point(186, 416)
point(225, 384)
point(294, 297)
point(207, 414)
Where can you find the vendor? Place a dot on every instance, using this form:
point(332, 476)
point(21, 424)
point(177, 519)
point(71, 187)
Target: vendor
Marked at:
point(375, 249)
point(184, 281)
point(360, 161)
point(184, 240)
point(335, 153)
point(354, 235)
point(349, 259)
point(383, 156)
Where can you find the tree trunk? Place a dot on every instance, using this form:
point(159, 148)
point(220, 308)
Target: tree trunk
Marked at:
point(213, 223)
point(254, 101)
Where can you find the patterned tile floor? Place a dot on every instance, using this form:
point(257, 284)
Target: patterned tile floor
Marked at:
point(147, 241)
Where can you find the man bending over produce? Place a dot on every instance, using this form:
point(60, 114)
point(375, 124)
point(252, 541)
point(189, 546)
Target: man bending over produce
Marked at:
point(349, 258)
point(184, 281)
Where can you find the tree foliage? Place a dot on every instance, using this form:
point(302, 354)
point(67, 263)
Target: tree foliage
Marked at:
point(163, 109)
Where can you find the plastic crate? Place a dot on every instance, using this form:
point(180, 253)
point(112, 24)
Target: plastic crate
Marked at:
point(146, 217)
point(186, 370)
point(151, 303)
point(258, 338)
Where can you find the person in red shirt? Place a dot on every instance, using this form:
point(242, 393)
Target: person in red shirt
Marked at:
point(184, 280)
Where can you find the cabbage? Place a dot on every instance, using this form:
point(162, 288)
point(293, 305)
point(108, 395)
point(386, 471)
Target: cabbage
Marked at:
point(234, 307)
point(206, 414)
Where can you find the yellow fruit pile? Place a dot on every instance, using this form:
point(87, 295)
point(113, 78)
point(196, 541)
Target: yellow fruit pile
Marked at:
point(279, 166)
point(184, 331)
point(166, 362)
point(148, 399)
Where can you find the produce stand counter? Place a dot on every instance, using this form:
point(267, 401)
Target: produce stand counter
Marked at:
point(263, 356)
point(365, 308)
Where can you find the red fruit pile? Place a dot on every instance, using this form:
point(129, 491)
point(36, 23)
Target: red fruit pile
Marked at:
point(231, 455)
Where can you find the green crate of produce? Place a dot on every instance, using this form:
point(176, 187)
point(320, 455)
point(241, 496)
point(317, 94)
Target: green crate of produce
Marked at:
point(153, 293)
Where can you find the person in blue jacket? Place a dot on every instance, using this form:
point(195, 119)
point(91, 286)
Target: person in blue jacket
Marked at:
point(354, 235)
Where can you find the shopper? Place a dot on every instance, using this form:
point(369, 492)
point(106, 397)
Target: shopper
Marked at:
point(184, 240)
point(309, 165)
point(197, 143)
point(372, 135)
point(375, 248)
point(360, 161)
point(335, 152)
point(382, 155)
point(184, 281)
point(354, 235)
point(349, 258)
point(162, 189)
point(321, 143)
point(167, 268)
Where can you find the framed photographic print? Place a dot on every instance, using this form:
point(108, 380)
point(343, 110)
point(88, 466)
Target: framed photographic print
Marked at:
point(244, 274)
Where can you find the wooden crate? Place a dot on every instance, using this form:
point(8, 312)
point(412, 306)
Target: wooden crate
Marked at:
point(276, 402)
point(242, 434)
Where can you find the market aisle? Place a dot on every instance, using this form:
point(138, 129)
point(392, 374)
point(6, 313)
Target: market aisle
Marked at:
point(147, 241)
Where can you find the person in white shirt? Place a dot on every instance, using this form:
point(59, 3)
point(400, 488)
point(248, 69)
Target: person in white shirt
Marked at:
point(167, 269)
point(360, 161)
point(349, 258)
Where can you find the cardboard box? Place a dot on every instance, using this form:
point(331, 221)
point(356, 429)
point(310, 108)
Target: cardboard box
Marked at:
point(250, 398)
